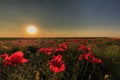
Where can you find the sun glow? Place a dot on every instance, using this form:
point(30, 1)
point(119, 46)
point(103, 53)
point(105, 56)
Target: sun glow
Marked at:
point(31, 30)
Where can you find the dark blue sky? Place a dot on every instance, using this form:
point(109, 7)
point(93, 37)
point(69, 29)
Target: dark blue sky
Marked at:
point(61, 17)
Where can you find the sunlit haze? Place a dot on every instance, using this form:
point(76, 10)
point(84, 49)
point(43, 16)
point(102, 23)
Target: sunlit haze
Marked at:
point(31, 30)
point(60, 18)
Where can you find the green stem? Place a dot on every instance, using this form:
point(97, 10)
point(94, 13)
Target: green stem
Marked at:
point(54, 76)
point(84, 71)
point(82, 66)
point(75, 73)
point(92, 72)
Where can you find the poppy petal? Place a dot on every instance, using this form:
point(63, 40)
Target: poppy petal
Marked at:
point(24, 60)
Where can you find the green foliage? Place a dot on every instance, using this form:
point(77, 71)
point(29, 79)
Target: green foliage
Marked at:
point(38, 66)
point(3, 49)
point(112, 59)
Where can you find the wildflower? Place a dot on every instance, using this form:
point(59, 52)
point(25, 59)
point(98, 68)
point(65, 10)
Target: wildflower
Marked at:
point(14, 59)
point(58, 58)
point(17, 58)
point(63, 45)
point(41, 49)
point(89, 56)
point(4, 56)
point(7, 62)
point(92, 59)
point(81, 57)
point(56, 64)
point(59, 50)
point(82, 47)
point(96, 60)
point(46, 50)
point(87, 49)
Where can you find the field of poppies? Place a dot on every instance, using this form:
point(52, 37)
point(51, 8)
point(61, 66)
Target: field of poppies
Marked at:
point(59, 59)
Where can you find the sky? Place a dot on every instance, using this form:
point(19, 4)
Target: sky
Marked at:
point(60, 18)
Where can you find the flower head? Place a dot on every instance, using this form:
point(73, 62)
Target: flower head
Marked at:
point(81, 47)
point(14, 59)
point(17, 58)
point(7, 62)
point(59, 50)
point(63, 45)
point(46, 50)
point(4, 55)
point(56, 64)
point(81, 57)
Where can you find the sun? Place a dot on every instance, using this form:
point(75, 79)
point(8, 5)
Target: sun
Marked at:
point(31, 30)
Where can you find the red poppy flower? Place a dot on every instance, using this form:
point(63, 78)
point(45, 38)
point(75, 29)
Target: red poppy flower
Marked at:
point(63, 45)
point(7, 62)
point(58, 58)
point(92, 59)
point(17, 58)
point(4, 56)
point(41, 49)
point(14, 59)
point(59, 50)
point(46, 50)
point(89, 56)
point(81, 47)
point(96, 60)
point(56, 64)
point(87, 49)
point(81, 57)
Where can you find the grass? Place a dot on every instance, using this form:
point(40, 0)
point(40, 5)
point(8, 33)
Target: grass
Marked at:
point(107, 49)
